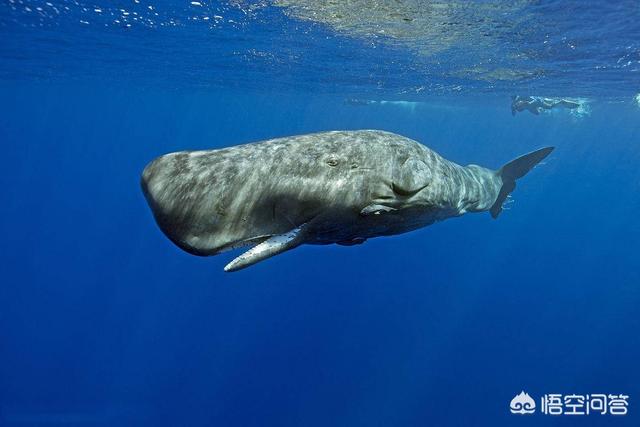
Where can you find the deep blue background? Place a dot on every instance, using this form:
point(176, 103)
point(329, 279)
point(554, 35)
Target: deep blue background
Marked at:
point(104, 322)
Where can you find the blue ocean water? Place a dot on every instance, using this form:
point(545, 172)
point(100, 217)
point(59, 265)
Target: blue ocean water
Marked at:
point(104, 322)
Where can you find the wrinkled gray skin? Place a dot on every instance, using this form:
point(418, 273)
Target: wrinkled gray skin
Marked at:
point(333, 187)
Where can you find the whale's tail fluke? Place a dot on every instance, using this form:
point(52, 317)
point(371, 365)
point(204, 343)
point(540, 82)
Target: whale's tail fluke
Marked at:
point(513, 171)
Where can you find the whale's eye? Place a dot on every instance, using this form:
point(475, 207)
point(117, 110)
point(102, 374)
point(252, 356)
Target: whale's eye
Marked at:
point(332, 161)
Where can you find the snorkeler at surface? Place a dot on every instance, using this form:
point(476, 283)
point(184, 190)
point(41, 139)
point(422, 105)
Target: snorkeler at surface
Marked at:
point(537, 105)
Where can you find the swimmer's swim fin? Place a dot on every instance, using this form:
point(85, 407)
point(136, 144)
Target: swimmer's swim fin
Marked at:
point(514, 170)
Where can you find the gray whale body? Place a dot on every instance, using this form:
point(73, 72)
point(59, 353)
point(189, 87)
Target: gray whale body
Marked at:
point(339, 187)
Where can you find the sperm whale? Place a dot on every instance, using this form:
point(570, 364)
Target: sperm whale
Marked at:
point(340, 187)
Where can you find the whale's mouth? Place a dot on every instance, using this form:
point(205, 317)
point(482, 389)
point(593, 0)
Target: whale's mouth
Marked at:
point(243, 243)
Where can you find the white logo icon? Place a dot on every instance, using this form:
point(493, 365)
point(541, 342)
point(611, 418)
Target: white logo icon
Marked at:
point(522, 404)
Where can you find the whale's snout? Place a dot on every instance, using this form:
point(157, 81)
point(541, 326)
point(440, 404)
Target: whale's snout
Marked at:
point(156, 178)
point(180, 204)
point(149, 175)
point(156, 187)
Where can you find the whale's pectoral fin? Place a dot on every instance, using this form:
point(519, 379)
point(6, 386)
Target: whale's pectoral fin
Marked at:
point(274, 245)
point(376, 210)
